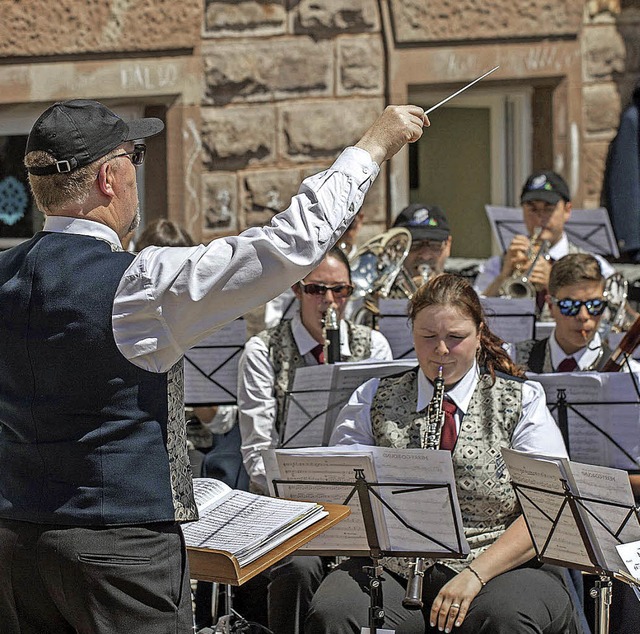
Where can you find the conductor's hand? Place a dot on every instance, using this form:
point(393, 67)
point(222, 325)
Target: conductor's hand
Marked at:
point(451, 605)
point(395, 127)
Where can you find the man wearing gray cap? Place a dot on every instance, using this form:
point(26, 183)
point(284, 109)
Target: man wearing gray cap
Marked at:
point(95, 478)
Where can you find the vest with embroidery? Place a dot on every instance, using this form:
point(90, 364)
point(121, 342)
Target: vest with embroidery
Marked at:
point(486, 498)
point(286, 358)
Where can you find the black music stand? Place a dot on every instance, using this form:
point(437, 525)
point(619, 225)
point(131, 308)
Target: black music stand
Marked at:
point(563, 407)
point(366, 491)
point(602, 591)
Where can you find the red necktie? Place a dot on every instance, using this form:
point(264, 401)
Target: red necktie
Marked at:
point(567, 365)
point(449, 433)
point(318, 353)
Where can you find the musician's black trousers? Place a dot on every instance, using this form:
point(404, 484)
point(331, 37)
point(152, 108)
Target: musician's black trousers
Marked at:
point(524, 600)
point(63, 580)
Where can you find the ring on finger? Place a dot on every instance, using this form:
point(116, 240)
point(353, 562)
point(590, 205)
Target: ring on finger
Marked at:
point(455, 605)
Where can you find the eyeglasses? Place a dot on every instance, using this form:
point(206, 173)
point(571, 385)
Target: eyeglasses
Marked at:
point(137, 156)
point(339, 290)
point(431, 245)
point(571, 307)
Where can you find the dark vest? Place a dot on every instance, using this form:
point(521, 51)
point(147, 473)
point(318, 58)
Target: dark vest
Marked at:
point(535, 355)
point(86, 437)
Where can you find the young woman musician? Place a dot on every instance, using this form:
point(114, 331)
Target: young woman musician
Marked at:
point(499, 587)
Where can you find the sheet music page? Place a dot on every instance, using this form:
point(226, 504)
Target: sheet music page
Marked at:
point(541, 507)
point(605, 428)
point(430, 511)
point(307, 405)
point(610, 486)
point(330, 465)
point(511, 319)
point(211, 367)
point(394, 325)
point(243, 523)
point(206, 491)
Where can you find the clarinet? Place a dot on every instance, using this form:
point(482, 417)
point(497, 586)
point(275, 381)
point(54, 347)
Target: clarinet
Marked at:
point(435, 419)
point(331, 335)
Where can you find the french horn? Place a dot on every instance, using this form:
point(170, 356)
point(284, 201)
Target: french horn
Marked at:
point(377, 267)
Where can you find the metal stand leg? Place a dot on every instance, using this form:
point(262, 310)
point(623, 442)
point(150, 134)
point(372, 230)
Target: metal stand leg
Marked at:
point(601, 593)
point(376, 609)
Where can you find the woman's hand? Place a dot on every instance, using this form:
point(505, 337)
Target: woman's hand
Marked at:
point(452, 603)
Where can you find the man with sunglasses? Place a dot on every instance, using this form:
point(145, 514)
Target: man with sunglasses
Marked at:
point(576, 302)
point(266, 371)
point(546, 207)
point(94, 477)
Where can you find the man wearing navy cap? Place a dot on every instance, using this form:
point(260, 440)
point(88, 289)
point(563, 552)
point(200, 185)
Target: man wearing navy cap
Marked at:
point(430, 238)
point(546, 205)
point(94, 476)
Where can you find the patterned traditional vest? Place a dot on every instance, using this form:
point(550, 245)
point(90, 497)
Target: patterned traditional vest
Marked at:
point(535, 356)
point(486, 498)
point(286, 358)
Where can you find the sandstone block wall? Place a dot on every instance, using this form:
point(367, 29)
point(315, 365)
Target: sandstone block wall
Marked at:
point(286, 85)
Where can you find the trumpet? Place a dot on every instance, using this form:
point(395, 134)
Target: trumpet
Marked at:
point(519, 286)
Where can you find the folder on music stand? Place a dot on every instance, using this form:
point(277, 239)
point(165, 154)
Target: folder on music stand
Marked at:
point(211, 367)
point(598, 415)
point(589, 229)
point(318, 394)
point(577, 515)
point(403, 504)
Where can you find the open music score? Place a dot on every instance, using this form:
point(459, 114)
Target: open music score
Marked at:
point(239, 534)
point(577, 513)
point(414, 500)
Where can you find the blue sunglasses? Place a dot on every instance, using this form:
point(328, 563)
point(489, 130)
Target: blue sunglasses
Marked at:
point(571, 307)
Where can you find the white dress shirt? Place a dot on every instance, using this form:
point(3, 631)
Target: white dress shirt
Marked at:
point(490, 269)
point(536, 431)
point(257, 403)
point(585, 357)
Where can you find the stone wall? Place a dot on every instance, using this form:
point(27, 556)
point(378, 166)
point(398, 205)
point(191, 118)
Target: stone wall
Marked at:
point(287, 85)
point(611, 67)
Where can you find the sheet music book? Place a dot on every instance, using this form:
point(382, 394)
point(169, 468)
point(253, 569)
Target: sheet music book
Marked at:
point(320, 391)
point(604, 503)
point(211, 367)
point(511, 319)
point(603, 417)
point(394, 324)
point(427, 510)
point(589, 229)
point(243, 524)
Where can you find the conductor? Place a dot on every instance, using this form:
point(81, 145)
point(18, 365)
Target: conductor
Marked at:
point(95, 478)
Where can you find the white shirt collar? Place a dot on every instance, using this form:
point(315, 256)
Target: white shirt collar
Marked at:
point(306, 342)
point(560, 248)
point(585, 357)
point(81, 226)
point(460, 394)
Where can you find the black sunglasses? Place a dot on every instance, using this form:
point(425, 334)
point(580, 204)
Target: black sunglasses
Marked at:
point(137, 155)
point(339, 290)
point(571, 307)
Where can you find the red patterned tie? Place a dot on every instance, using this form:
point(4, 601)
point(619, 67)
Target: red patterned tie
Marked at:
point(449, 432)
point(318, 353)
point(568, 365)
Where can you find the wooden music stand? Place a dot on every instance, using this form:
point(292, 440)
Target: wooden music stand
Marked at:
point(222, 567)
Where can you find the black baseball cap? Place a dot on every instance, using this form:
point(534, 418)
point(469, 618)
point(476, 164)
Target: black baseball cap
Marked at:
point(425, 222)
point(547, 186)
point(80, 131)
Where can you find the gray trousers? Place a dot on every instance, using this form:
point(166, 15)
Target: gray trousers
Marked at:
point(63, 580)
point(524, 600)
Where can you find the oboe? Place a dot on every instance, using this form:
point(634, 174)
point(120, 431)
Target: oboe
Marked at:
point(331, 335)
point(435, 419)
